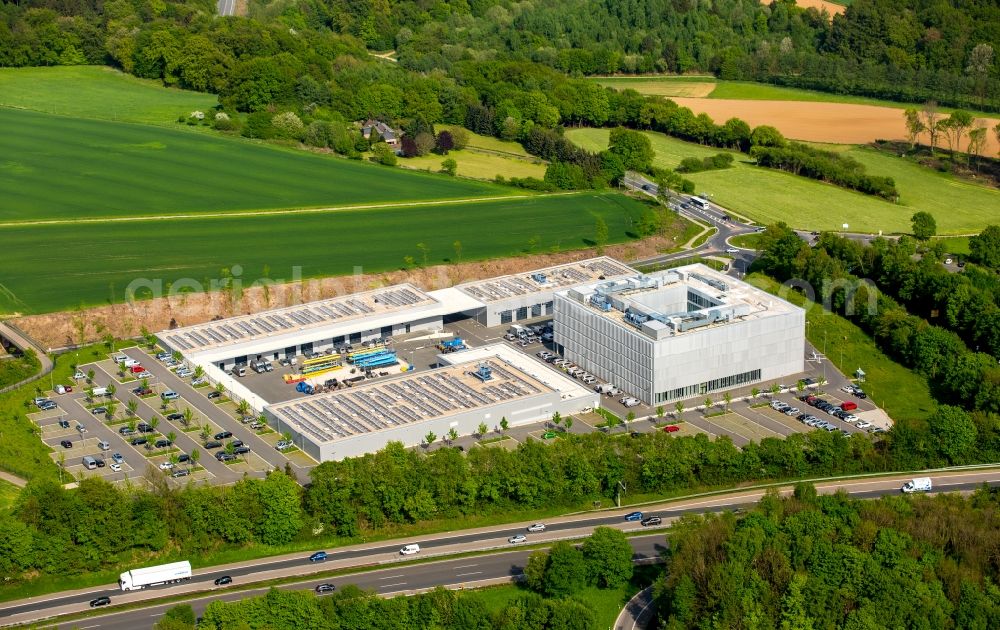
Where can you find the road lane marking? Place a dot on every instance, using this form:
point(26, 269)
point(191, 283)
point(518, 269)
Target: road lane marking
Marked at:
point(465, 574)
point(391, 577)
point(396, 584)
point(467, 566)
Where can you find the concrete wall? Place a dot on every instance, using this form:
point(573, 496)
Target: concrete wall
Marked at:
point(518, 412)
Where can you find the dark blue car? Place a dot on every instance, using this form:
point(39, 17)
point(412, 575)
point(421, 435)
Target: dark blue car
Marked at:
point(319, 556)
point(633, 516)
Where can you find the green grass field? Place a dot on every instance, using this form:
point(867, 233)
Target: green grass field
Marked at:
point(767, 195)
point(53, 167)
point(53, 267)
point(903, 394)
point(606, 602)
point(695, 86)
point(97, 92)
point(479, 165)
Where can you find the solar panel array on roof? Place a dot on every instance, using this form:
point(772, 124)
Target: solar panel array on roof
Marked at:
point(248, 327)
point(328, 417)
point(554, 278)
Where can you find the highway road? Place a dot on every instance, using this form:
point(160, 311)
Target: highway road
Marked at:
point(461, 572)
point(463, 541)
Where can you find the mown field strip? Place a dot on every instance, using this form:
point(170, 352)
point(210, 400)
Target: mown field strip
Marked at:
point(256, 213)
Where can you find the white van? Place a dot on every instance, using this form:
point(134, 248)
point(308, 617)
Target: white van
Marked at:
point(89, 462)
point(409, 550)
point(103, 445)
point(100, 391)
point(920, 484)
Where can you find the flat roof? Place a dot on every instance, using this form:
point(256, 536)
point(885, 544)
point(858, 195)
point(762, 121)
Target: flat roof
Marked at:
point(650, 304)
point(290, 319)
point(389, 403)
point(550, 278)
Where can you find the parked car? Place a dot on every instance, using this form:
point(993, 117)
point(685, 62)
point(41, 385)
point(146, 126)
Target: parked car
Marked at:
point(137, 441)
point(174, 417)
point(214, 394)
point(144, 427)
point(170, 395)
point(283, 444)
point(162, 443)
point(652, 520)
point(671, 428)
point(537, 527)
point(241, 450)
point(183, 457)
point(223, 456)
point(66, 444)
point(225, 579)
point(142, 391)
point(99, 410)
point(183, 472)
point(100, 601)
point(213, 444)
point(117, 458)
point(633, 516)
point(64, 423)
point(319, 556)
point(115, 467)
point(222, 435)
point(166, 466)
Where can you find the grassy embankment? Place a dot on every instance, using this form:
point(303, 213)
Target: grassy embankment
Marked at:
point(903, 394)
point(767, 195)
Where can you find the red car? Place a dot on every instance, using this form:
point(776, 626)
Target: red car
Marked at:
point(849, 406)
point(137, 368)
point(671, 428)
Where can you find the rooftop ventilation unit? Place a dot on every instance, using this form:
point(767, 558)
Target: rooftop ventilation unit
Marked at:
point(600, 302)
point(636, 318)
point(483, 373)
point(712, 282)
point(539, 278)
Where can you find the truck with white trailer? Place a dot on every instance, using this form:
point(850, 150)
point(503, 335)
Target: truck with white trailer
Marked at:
point(920, 484)
point(137, 579)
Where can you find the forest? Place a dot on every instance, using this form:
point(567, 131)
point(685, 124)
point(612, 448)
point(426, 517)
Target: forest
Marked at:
point(906, 50)
point(830, 561)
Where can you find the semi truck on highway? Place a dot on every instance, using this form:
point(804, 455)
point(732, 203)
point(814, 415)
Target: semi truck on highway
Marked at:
point(153, 576)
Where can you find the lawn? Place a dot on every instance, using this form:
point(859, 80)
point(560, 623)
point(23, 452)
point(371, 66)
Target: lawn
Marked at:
point(479, 164)
point(607, 603)
point(92, 263)
point(489, 143)
point(903, 394)
point(55, 167)
point(956, 245)
point(697, 86)
point(8, 493)
point(98, 92)
point(766, 195)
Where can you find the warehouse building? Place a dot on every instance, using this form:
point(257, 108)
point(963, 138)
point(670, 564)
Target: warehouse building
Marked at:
point(518, 297)
point(478, 386)
point(680, 333)
point(315, 326)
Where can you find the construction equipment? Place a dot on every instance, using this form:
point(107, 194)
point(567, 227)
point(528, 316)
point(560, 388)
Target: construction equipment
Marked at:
point(452, 345)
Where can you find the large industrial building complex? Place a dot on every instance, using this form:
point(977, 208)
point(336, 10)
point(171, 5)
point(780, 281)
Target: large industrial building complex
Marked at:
point(659, 337)
point(679, 333)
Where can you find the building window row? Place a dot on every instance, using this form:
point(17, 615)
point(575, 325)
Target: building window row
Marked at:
point(725, 382)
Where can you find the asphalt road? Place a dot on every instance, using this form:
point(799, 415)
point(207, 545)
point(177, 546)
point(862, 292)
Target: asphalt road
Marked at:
point(467, 572)
point(469, 541)
point(226, 7)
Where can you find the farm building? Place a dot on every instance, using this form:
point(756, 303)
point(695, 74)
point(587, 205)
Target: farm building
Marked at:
point(478, 386)
point(522, 296)
point(679, 333)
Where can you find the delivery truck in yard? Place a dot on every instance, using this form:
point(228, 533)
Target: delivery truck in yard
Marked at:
point(153, 576)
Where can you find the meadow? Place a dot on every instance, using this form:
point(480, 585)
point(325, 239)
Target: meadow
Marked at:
point(98, 92)
point(766, 195)
point(55, 267)
point(56, 167)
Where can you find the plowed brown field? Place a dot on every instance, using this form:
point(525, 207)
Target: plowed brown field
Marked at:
point(840, 123)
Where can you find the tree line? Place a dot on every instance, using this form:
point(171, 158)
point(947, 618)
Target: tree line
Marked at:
point(102, 526)
point(830, 561)
point(967, 303)
point(956, 374)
